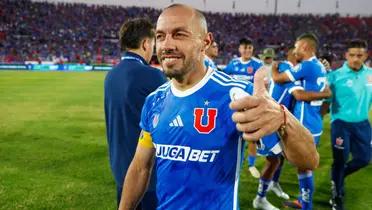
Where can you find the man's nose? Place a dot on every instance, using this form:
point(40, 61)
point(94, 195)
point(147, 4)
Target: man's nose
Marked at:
point(168, 43)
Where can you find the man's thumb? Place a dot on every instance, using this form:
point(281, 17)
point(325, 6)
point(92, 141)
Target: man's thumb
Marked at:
point(261, 81)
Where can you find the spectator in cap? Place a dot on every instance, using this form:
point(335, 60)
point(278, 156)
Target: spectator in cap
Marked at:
point(267, 57)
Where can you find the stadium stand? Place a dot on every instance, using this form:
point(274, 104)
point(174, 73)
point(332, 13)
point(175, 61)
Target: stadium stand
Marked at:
point(81, 33)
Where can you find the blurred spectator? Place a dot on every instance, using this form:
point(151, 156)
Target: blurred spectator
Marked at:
point(90, 30)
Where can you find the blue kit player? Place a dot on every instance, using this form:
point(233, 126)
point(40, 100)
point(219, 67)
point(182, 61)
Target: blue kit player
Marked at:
point(192, 130)
point(210, 54)
point(270, 174)
point(244, 68)
point(311, 74)
point(269, 181)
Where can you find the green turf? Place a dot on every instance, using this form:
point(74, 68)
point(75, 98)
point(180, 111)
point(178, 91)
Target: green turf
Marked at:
point(53, 151)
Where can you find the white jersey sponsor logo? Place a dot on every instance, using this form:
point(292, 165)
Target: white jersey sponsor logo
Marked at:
point(183, 153)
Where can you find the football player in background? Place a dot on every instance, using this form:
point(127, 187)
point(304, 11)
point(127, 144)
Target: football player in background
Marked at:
point(311, 76)
point(210, 54)
point(244, 68)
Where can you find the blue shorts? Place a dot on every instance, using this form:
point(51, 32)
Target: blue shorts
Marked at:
point(269, 145)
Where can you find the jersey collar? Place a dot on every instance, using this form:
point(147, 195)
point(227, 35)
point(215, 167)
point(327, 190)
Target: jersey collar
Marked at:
point(208, 58)
point(193, 89)
point(289, 63)
point(312, 58)
point(346, 66)
point(244, 62)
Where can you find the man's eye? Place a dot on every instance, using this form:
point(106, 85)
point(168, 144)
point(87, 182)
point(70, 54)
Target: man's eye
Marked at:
point(160, 36)
point(180, 35)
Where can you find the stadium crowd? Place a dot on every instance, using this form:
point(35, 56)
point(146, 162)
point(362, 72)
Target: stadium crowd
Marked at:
point(81, 33)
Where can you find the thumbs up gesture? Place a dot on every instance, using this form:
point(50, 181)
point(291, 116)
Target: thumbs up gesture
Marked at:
point(257, 115)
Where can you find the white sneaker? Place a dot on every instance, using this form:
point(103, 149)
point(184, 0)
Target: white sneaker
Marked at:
point(254, 172)
point(263, 204)
point(275, 187)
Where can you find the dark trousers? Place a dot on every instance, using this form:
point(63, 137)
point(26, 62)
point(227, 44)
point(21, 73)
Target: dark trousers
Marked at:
point(148, 202)
point(354, 138)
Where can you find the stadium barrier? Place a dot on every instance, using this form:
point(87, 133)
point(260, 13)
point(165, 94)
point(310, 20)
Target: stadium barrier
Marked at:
point(55, 67)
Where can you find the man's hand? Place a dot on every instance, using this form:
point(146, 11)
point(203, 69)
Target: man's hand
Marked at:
point(276, 76)
point(327, 92)
point(326, 64)
point(258, 115)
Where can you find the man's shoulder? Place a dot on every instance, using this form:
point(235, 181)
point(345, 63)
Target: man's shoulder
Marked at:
point(256, 60)
point(335, 71)
point(313, 65)
point(308, 63)
point(283, 66)
point(368, 69)
point(235, 61)
point(160, 91)
point(226, 82)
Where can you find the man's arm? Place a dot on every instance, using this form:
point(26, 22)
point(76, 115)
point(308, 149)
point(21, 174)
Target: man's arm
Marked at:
point(324, 109)
point(302, 95)
point(277, 76)
point(259, 115)
point(298, 144)
point(137, 178)
point(228, 68)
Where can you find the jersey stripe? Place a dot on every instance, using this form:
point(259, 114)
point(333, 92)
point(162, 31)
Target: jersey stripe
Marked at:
point(164, 87)
point(290, 75)
point(282, 96)
point(228, 84)
point(302, 112)
point(225, 77)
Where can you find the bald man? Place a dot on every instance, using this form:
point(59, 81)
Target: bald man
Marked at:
point(192, 130)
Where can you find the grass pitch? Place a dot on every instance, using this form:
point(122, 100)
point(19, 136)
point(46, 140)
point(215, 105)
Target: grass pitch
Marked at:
point(53, 150)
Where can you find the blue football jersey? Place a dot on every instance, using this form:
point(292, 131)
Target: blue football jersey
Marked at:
point(312, 75)
point(279, 92)
point(243, 70)
point(198, 149)
point(209, 63)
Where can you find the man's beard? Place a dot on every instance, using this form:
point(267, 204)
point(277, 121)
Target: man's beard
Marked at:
point(175, 74)
point(179, 74)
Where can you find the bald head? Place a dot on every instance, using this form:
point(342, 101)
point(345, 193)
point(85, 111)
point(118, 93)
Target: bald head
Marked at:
point(181, 41)
point(196, 16)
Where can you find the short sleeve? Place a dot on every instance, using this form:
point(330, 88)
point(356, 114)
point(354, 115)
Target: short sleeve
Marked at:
point(292, 86)
point(298, 72)
point(282, 67)
point(144, 122)
point(229, 68)
point(330, 78)
point(259, 65)
point(145, 140)
point(330, 82)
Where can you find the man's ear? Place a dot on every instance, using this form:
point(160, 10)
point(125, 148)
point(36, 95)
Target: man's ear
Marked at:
point(208, 40)
point(145, 44)
point(365, 56)
point(346, 55)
